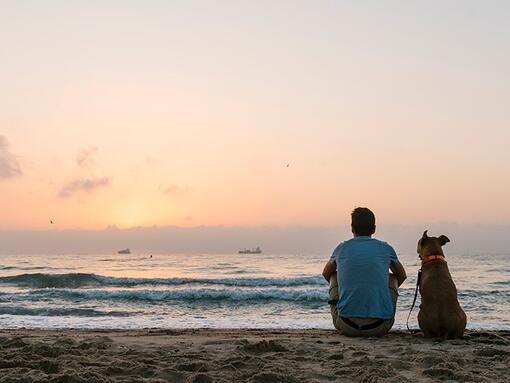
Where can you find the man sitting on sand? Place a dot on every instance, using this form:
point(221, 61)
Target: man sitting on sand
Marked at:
point(362, 291)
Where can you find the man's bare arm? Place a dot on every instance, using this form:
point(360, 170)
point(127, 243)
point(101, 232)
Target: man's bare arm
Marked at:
point(398, 270)
point(329, 270)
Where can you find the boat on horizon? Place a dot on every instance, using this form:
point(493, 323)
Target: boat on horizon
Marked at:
point(124, 251)
point(256, 250)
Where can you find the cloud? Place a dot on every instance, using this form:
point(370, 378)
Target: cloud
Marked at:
point(87, 185)
point(9, 165)
point(85, 158)
point(176, 190)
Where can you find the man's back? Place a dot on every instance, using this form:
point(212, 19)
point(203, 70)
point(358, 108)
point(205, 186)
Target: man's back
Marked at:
point(362, 265)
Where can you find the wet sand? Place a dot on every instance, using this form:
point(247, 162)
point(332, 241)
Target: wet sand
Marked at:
point(203, 355)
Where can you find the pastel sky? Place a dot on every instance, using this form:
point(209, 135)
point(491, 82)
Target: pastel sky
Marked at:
point(142, 113)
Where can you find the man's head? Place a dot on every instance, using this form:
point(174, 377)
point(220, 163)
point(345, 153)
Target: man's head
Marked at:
point(362, 222)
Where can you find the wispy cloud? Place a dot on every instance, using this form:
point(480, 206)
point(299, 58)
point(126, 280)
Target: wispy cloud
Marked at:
point(85, 158)
point(9, 165)
point(176, 190)
point(87, 185)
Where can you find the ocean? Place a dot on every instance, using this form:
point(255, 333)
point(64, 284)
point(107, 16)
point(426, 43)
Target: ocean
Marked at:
point(217, 291)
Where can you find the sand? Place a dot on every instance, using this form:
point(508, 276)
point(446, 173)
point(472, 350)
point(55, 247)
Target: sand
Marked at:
point(204, 355)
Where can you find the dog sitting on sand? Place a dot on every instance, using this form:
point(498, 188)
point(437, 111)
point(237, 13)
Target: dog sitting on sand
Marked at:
point(440, 313)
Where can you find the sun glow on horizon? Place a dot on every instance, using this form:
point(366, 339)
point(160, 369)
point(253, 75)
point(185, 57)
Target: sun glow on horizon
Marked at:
point(235, 114)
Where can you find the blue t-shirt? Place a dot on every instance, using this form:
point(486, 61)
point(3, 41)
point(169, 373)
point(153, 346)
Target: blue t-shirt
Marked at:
point(362, 265)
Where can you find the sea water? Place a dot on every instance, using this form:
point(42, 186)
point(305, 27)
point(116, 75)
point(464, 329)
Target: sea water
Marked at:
point(215, 290)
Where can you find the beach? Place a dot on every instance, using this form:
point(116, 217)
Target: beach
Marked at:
point(198, 318)
point(247, 355)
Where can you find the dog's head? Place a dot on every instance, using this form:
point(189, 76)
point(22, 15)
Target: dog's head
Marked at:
point(431, 245)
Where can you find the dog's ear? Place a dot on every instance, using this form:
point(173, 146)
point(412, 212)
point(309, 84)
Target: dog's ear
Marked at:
point(443, 240)
point(420, 242)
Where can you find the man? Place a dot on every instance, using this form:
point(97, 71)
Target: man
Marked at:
point(362, 291)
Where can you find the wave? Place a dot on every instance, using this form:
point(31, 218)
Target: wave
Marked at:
point(504, 283)
point(78, 280)
point(195, 296)
point(62, 311)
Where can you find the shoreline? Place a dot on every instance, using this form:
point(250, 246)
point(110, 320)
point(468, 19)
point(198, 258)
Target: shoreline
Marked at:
point(247, 355)
point(399, 328)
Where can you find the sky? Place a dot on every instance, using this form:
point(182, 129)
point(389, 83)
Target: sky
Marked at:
point(253, 114)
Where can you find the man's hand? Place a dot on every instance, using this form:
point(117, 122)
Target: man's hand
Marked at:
point(398, 270)
point(329, 270)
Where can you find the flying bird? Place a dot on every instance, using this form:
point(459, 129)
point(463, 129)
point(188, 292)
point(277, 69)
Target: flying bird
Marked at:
point(51, 222)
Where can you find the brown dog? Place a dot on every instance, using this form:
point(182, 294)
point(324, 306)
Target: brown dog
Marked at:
point(440, 314)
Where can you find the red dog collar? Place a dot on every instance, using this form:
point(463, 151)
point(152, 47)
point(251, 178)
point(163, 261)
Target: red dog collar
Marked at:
point(432, 258)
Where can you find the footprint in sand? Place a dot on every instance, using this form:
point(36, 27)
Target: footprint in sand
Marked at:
point(14, 342)
point(272, 377)
point(490, 352)
point(444, 374)
point(264, 346)
point(200, 378)
point(193, 367)
point(360, 353)
point(338, 356)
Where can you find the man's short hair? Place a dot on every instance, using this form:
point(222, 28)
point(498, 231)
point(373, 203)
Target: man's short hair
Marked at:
point(363, 221)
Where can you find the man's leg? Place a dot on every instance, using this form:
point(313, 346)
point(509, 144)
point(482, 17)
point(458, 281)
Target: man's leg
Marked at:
point(333, 299)
point(393, 285)
point(333, 290)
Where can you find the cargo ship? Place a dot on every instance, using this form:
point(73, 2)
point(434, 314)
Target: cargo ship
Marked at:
point(250, 251)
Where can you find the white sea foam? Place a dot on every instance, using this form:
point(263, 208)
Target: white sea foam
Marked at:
point(199, 296)
point(76, 280)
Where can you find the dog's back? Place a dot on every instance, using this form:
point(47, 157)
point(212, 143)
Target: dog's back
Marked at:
point(440, 313)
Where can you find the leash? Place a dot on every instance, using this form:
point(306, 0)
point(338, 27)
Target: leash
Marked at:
point(418, 281)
